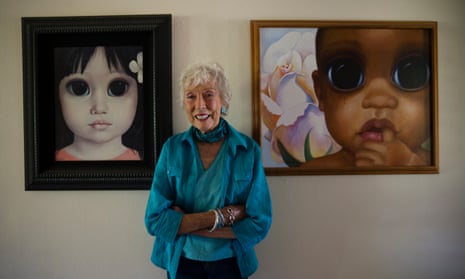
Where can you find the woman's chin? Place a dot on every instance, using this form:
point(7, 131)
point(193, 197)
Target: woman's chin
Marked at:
point(206, 125)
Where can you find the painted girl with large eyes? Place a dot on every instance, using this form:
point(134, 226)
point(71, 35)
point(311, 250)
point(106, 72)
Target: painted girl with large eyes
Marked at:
point(98, 94)
point(373, 86)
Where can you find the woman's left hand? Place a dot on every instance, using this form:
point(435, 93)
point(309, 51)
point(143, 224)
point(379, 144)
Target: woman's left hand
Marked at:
point(233, 213)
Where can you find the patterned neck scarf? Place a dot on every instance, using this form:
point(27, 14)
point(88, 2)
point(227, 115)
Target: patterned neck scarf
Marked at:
point(213, 136)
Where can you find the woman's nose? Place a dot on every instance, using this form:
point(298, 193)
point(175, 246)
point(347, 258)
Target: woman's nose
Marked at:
point(201, 103)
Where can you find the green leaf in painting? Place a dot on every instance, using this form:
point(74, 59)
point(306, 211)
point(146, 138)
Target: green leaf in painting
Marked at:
point(288, 159)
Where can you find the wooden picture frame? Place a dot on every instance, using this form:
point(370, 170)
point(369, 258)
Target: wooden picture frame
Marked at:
point(44, 39)
point(305, 109)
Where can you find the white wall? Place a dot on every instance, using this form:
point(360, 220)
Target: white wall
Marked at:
point(337, 227)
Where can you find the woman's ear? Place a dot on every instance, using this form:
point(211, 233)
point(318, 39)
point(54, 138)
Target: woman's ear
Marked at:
point(224, 108)
point(317, 89)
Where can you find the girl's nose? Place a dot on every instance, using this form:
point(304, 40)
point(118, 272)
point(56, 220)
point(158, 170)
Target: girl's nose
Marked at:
point(99, 102)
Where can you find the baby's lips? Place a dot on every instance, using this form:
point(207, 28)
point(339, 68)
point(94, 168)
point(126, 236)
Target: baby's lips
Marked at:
point(374, 129)
point(372, 136)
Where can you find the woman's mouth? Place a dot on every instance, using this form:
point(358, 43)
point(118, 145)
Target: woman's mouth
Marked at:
point(202, 116)
point(373, 129)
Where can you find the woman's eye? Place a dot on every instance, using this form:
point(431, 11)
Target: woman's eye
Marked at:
point(78, 88)
point(118, 88)
point(411, 73)
point(345, 74)
point(209, 93)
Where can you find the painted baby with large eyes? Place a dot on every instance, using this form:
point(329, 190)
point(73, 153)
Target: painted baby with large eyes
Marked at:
point(373, 87)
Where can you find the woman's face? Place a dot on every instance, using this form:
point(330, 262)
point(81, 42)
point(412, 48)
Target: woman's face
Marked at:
point(100, 104)
point(391, 92)
point(203, 106)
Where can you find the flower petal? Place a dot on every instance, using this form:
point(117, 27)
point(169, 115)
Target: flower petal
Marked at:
point(295, 128)
point(133, 66)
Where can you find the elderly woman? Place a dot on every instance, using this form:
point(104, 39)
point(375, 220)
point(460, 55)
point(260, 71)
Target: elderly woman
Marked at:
point(209, 202)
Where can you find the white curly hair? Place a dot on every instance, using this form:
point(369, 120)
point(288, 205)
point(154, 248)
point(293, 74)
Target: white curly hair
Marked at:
point(201, 73)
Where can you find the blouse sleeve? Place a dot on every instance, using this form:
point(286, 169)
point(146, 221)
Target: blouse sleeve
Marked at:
point(255, 227)
point(160, 220)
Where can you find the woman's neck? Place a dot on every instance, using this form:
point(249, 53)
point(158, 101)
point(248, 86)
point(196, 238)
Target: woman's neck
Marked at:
point(218, 133)
point(208, 151)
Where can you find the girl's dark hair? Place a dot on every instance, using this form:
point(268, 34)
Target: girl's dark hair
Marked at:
point(70, 60)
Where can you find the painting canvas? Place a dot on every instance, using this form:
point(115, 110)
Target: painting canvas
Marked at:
point(99, 104)
point(334, 97)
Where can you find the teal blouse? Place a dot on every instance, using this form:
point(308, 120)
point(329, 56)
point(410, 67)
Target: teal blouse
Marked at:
point(235, 177)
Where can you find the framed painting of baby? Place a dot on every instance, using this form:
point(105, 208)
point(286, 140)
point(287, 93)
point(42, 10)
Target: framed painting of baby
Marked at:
point(345, 97)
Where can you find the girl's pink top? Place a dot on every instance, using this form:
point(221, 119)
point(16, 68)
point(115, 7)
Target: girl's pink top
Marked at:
point(128, 155)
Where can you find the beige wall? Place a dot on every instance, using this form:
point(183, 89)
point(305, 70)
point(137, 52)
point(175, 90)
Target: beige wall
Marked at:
point(335, 227)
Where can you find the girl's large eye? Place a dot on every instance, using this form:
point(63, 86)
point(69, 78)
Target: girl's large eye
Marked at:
point(411, 73)
point(118, 88)
point(78, 87)
point(345, 74)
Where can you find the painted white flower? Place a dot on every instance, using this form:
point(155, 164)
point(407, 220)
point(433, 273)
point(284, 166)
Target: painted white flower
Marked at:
point(301, 135)
point(137, 67)
point(295, 126)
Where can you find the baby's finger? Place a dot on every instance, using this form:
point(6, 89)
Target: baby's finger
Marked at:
point(388, 135)
point(368, 158)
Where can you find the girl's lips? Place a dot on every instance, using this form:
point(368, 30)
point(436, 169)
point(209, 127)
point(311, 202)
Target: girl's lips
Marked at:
point(99, 124)
point(373, 129)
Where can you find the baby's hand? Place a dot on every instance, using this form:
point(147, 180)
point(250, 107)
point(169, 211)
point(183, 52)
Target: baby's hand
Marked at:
point(389, 152)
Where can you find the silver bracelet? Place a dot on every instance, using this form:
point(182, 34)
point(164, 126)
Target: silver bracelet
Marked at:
point(217, 219)
point(221, 220)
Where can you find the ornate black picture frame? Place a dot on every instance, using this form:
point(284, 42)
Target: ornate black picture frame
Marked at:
point(42, 36)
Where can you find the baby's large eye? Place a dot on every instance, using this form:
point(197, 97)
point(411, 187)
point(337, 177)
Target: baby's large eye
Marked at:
point(345, 74)
point(78, 87)
point(411, 73)
point(118, 88)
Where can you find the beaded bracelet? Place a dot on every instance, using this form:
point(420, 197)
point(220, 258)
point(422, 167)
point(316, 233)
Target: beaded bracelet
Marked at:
point(231, 216)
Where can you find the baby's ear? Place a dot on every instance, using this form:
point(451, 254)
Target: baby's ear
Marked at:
point(317, 89)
